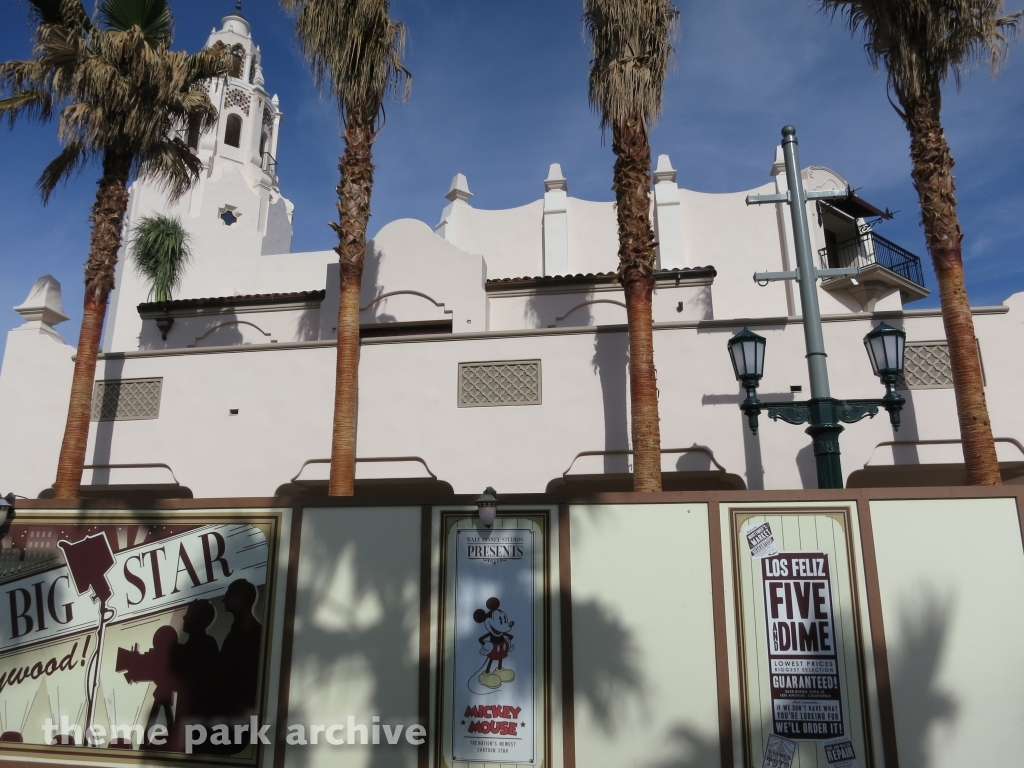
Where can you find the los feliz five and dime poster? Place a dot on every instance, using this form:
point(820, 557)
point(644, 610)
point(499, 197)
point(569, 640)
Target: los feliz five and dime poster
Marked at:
point(800, 643)
point(118, 632)
point(495, 619)
point(803, 664)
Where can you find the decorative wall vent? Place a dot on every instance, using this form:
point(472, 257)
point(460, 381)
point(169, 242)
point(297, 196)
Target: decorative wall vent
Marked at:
point(126, 399)
point(510, 382)
point(926, 366)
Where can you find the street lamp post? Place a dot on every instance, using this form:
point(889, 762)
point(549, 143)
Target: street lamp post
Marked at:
point(824, 414)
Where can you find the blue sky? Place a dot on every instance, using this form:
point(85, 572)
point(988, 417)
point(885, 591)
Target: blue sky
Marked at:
point(499, 93)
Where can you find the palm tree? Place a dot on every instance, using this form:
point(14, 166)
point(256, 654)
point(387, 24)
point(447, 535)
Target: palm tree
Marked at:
point(354, 47)
point(126, 99)
point(161, 250)
point(923, 43)
point(631, 45)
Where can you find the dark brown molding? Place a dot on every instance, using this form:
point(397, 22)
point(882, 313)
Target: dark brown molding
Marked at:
point(878, 647)
point(721, 634)
point(426, 562)
point(507, 501)
point(1020, 518)
point(288, 636)
point(565, 609)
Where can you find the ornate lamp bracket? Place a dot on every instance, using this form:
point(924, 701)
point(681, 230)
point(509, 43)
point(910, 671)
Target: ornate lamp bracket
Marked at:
point(791, 413)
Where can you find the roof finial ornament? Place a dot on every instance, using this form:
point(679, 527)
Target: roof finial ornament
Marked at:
point(238, 7)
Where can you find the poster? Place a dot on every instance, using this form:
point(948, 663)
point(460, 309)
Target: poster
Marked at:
point(839, 753)
point(494, 715)
point(117, 635)
point(802, 657)
point(778, 753)
point(761, 541)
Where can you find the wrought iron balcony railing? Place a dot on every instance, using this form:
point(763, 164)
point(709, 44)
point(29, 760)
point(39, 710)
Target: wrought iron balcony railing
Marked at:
point(869, 248)
point(269, 164)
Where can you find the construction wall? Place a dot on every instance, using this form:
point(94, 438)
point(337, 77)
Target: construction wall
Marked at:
point(637, 631)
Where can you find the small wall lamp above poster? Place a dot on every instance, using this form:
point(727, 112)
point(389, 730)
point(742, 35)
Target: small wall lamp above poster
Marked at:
point(487, 506)
point(6, 508)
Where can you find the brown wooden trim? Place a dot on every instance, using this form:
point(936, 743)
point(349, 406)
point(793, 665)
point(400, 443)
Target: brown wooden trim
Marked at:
point(835, 505)
point(721, 634)
point(565, 609)
point(878, 647)
point(426, 551)
point(288, 636)
point(544, 499)
point(1020, 518)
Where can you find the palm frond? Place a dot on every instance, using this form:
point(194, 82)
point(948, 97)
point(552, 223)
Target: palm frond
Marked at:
point(171, 166)
point(67, 13)
point(161, 251)
point(354, 49)
point(631, 43)
point(208, 63)
point(921, 43)
point(122, 90)
point(153, 17)
point(46, 11)
point(62, 168)
point(35, 104)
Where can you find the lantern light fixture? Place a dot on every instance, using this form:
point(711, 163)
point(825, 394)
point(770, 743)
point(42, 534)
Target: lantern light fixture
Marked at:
point(487, 506)
point(6, 507)
point(886, 346)
point(746, 350)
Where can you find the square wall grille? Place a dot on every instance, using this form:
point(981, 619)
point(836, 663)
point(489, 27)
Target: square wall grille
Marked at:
point(510, 382)
point(926, 366)
point(126, 399)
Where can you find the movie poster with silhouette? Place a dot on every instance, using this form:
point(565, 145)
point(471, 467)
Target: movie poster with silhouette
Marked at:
point(116, 636)
point(494, 716)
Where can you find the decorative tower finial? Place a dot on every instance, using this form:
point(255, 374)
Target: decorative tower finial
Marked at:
point(238, 6)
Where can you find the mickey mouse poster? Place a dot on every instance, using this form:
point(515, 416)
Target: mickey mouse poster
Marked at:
point(493, 691)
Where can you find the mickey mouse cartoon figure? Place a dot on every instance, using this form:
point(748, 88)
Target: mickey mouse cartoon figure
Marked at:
point(495, 644)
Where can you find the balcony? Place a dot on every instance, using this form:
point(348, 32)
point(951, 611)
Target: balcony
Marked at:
point(269, 164)
point(884, 267)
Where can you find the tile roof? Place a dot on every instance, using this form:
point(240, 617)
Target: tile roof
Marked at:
point(597, 277)
point(252, 299)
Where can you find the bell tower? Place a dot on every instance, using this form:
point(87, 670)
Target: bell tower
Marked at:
point(244, 141)
point(249, 120)
point(235, 213)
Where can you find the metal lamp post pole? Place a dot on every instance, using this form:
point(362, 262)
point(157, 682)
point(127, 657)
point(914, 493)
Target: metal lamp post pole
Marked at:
point(821, 411)
point(825, 427)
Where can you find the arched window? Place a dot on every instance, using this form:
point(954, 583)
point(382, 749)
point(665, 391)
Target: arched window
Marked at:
point(233, 131)
point(263, 142)
point(238, 59)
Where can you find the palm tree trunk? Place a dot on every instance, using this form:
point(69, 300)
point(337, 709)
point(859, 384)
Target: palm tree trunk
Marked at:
point(636, 268)
point(356, 168)
point(107, 221)
point(933, 178)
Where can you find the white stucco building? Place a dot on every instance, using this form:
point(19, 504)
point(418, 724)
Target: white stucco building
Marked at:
point(495, 349)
